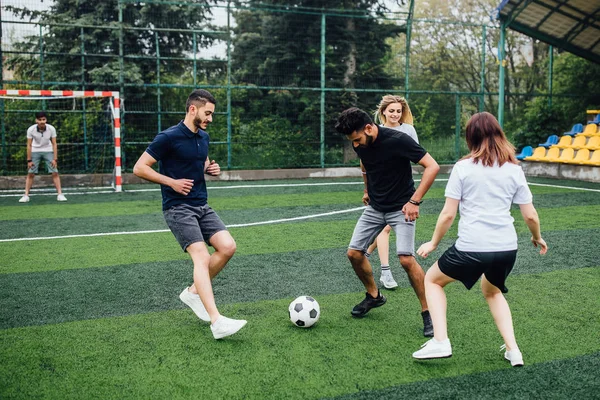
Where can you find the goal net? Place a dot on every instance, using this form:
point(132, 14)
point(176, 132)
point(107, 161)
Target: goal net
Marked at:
point(88, 128)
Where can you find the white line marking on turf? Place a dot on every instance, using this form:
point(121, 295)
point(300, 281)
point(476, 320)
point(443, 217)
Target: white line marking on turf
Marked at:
point(110, 190)
point(565, 187)
point(274, 221)
point(79, 189)
point(70, 191)
point(54, 194)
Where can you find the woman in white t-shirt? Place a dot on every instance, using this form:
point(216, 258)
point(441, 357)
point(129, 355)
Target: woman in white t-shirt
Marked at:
point(483, 185)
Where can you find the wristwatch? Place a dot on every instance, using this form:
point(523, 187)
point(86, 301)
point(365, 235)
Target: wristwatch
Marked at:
point(29, 160)
point(416, 203)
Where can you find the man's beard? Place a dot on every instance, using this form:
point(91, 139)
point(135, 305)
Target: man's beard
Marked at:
point(198, 122)
point(369, 141)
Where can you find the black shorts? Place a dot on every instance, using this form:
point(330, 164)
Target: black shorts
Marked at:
point(467, 266)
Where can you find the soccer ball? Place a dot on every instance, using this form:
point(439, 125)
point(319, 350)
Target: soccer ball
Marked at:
point(304, 311)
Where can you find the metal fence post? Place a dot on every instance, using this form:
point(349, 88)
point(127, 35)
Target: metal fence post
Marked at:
point(322, 136)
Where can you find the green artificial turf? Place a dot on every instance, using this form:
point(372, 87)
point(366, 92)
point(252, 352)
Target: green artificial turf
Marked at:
point(58, 254)
point(172, 354)
point(56, 296)
point(99, 317)
point(570, 378)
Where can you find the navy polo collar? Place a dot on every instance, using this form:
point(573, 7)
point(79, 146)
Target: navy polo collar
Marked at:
point(187, 130)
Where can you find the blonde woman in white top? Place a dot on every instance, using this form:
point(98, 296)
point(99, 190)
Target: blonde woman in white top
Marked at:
point(483, 185)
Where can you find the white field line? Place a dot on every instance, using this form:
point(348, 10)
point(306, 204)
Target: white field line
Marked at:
point(565, 187)
point(111, 190)
point(252, 223)
point(65, 190)
point(274, 221)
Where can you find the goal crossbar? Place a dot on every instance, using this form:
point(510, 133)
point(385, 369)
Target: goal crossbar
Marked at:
point(114, 98)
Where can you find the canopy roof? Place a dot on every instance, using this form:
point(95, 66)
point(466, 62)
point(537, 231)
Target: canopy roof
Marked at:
point(573, 25)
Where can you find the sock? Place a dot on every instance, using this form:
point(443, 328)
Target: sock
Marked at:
point(367, 254)
point(385, 270)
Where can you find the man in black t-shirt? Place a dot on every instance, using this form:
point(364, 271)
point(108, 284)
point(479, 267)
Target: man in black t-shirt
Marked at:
point(391, 198)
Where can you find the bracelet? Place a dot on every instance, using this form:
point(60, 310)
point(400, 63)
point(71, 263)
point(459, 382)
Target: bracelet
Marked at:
point(416, 203)
point(29, 160)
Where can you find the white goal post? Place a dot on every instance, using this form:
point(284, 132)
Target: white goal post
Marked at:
point(115, 104)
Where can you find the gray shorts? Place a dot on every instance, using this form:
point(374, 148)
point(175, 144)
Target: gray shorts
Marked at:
point(191, 224)
point(37, 157)
point(371, 223)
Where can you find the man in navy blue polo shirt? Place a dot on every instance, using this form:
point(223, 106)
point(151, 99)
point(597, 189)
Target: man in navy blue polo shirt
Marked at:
point(183, 154)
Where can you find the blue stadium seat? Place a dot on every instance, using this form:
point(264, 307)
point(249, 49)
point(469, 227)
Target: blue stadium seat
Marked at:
point(526, 152)
point(577, 128)
point(552, 139)
point(596, 120)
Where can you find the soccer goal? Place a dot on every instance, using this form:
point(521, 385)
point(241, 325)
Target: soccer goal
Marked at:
point(87, 123)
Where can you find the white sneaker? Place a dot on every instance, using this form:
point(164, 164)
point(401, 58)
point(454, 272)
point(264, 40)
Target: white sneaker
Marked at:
point(61, 197)
point(514, 356)
point(388, 282)
point(224, 326)
point(24, 199)
point(434, 349)
point(194, 302)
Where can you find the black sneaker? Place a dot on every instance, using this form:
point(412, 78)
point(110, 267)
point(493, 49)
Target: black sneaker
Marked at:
point(427, 324)
point(369, 302)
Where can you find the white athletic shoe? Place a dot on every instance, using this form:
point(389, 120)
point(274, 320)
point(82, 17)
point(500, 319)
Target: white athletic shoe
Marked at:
point(514, 356)
point(61, 197)
point(24, 199)
point(388, 282)
point(434, 349)
point(193, 301)
point(224, 326)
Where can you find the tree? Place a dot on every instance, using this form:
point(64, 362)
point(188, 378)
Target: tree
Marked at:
point(278, 44)
point(446, 56)
point(75, 26)
point(573, 75)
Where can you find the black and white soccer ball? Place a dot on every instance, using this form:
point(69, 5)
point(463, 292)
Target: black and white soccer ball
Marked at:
point(304, 311)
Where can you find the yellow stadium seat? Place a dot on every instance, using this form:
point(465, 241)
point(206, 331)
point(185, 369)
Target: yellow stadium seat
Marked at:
point(594, 159)
point(593, 143)
point(538, 154)
point(581, 157)
point(578, 143)
point(564, 142)
point(552, 155)
point(590, 130)
point(566, 156)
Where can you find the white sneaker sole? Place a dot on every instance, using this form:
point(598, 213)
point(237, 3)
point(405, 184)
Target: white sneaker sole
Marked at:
point(519, 363)
point(221, 335)
point(388, 286)
point(432, 356)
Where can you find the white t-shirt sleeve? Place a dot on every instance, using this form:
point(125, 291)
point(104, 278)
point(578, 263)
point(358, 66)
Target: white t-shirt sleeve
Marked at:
point(454, 185)
point(30, 132)
point(410, 131)
point(523, 194)
point(52, 131)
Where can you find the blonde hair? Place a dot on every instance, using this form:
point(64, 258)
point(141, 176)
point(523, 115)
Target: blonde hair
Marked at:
point(487, 142)
point(388, 99)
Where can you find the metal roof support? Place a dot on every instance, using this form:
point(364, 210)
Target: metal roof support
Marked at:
point(518, 10)
point(502, 63)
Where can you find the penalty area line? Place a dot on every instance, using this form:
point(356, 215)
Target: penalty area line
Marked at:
point(273, 221)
